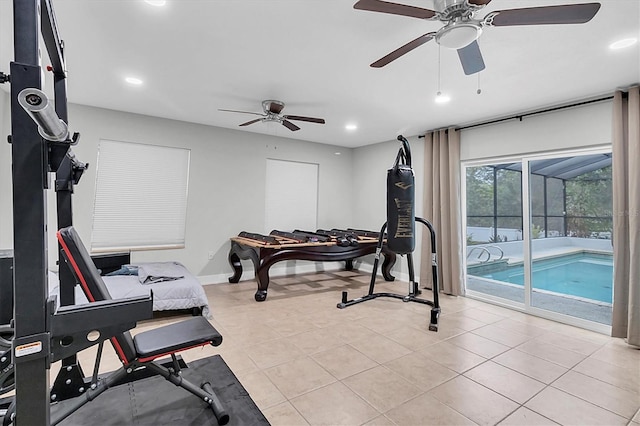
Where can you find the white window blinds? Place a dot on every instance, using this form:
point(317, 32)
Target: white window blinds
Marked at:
point(141, 197)
point(291, 198)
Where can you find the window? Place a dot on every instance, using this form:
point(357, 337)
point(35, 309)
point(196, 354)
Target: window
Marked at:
point(141, 197)
point(539, 234)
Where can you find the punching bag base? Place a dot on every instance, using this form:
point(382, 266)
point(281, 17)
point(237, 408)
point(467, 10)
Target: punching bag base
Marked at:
point(413, 285)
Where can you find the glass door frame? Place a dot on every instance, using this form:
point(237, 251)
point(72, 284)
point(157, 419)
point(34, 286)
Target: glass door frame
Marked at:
point(526, 307)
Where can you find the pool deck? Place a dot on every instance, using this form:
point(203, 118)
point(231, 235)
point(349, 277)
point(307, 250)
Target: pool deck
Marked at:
point(581, 308)
point(555, 252)
point(514, 259)
point(593, 311)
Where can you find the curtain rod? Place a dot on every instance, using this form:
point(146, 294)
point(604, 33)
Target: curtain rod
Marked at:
point(521, 116)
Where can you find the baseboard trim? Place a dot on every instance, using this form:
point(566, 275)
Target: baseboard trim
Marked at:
point(248, 273)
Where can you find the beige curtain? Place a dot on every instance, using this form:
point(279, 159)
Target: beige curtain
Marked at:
point(626, 216)
point(442, 209)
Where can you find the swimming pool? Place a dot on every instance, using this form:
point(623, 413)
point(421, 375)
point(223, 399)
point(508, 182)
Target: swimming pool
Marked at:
point(586, 275)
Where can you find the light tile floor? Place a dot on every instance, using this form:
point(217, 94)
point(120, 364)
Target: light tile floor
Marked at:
point(305, 362)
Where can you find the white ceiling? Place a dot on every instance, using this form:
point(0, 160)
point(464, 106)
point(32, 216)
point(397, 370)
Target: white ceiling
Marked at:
point(196, 56)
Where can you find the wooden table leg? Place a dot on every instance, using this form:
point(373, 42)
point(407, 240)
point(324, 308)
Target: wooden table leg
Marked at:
point(236, 253)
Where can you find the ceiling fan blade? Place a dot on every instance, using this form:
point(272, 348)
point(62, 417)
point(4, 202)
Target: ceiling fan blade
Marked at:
point(479, 2)
point(471, 58)
point(300, 118)
point(289, 125)
point(241, 112)
point(251, 122)
point(394, 9)
point(275, 107)
point(562, 14)
point(403, 50)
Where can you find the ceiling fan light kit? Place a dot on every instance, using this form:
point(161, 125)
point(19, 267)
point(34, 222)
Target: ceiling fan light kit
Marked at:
point(458, 34)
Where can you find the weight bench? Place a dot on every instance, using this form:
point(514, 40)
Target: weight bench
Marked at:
point(140, 352)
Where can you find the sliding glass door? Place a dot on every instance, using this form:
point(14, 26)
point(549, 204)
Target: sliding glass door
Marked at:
point(494, 245)
point(571, 224)
point(539, 234)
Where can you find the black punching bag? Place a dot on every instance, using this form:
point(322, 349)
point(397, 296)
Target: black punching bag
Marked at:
point(401, 214)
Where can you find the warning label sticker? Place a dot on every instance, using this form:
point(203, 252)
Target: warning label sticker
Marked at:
point(28, 349)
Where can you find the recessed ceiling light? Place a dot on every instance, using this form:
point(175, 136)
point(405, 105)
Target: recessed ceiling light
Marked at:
point(441, 98)
point(351, 127)
point(338, 153)
point(133, 80)
point(621, 44)
point(157, 3)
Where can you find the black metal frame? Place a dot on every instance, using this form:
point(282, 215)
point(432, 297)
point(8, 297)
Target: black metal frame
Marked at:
point(404, 153)
point(413, 285)
point(39, 327)
point(6, 287)
point(29, 217)
point(70, 381)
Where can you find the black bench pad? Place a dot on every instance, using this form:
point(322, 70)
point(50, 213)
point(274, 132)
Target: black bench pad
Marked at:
point(176, 337)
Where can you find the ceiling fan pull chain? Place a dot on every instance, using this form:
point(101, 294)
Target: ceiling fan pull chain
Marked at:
point(439, 92)
point(479, 90)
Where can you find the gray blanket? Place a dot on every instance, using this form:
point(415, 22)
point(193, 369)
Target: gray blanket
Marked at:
point(149, 273)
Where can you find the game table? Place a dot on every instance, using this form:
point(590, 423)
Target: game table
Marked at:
point(264, 251)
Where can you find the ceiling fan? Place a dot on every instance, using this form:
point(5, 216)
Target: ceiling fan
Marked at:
point(272, 110)
point(462, 28)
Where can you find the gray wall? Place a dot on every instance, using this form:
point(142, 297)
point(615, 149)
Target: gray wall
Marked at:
point(226, 193)
point(226, 183)
point(370, 164)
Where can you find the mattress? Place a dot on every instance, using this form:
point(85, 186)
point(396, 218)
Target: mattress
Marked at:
point(174, 294)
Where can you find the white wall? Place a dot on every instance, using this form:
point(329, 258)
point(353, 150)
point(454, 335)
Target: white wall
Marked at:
point(226, 193)
point(226, 183)
point(578, 127)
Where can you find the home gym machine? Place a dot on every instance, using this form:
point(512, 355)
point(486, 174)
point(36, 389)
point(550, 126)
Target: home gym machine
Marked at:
point(44, 332)
point(400, 237)
point(40, 141)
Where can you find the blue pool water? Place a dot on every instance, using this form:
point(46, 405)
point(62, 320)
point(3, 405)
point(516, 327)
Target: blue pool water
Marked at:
point(585, 275)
